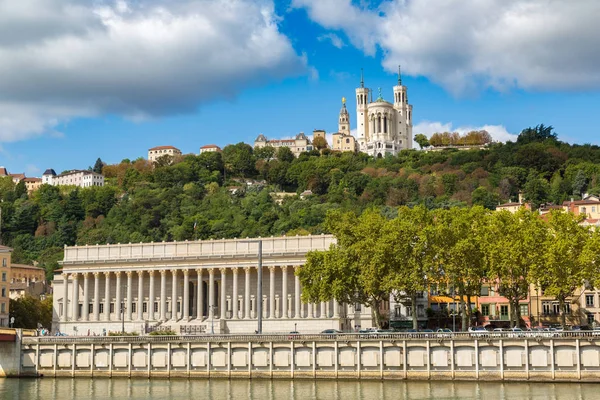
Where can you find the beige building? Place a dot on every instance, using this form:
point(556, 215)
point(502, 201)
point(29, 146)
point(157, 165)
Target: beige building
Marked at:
point(16, 178)
point(383, 127)
point(589, 206)
point(160, 151)
point(32, 184)
point(80, 178)
point(5, 277)
point(27, 280)
point(194, 287)
point(210, 148)
point(298, 145)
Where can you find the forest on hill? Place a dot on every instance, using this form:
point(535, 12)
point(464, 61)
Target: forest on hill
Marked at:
point(233, 193)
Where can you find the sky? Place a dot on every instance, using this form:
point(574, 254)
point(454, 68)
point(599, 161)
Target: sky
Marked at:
point(112, 78)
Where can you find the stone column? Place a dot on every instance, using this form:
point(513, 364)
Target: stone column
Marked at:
point(336, 309)
point(234, 304)
point(151, 296)
point(247, 293)
point(163, 295)
point(284, 292)
point(140, 310)
point(272, 292)
point(223, 305)
point(174, 296)
point(211, 293)
point(297, 313)
point(118, 297)
point(96, 296)
point(65, 298)
point(311, 310)
point(200, 298)
point(75, 301)
point(323, 310)
point(86, 297)
point(129, 295)
point(107, 296)
point(186, 295)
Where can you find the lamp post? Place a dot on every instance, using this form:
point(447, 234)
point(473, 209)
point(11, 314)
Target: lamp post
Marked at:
point(212, 320)
point(258, 284)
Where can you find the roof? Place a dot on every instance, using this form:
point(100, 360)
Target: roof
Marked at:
point(164, 148)
point(23, 266)
point(509, 205)
point(261, 138)
point(50, 171)
point(21, 175)
point(79, 171)
point(3, 171)
point(210, 146)
point(4, 249)
point(32, 179)
point(580, 202)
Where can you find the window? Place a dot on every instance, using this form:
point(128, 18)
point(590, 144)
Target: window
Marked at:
point(4, 262)
point(156, 306)
point(144, 307)
point(485, 290)
point(420, 310)
point(589, 300)
point(4, 277)
point(420, 295)
point(556, 308)
point(357, 307)
point(3, 308)
point(524, 309)
point(90, 308)
point(503, 311)
point(398, 312)
point(485, 309)
point(133, 307)
point(590, 319)
point(3, 292)
point(546, 307)
point(112, 308)
point(101, 308)
point(568, 308)
point(409, 311)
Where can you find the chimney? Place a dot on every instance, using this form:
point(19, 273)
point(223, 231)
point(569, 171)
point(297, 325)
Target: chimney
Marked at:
point(520, 197)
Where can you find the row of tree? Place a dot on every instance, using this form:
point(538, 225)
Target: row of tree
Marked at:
point(377, 257)
point(472, 138)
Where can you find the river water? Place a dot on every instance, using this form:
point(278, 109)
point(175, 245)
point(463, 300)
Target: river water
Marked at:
point(101, 388)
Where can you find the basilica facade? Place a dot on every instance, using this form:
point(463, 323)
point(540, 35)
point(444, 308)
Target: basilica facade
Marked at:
point(194, 287)
point(383, 127)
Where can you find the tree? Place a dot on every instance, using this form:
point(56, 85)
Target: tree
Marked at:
point(483, 197)
point(513, 246)
point(579, 183)
point(284, 154)
point(264, 153)
point(410, 240)
point(536, 189)
point(562, 269)
point(319, 143)
point(30, 311)
point(590, 256)
point(538, 133)
point(240, 158)
point(459, 252)
point(98, 166)
point(421, 140)
point(357, 269)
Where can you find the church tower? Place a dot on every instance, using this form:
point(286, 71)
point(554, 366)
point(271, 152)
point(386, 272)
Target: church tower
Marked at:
point(362, 117)
point(403, 113)
point(344, 121)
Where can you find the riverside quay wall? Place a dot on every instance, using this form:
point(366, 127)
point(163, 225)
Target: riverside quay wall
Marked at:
point(570, 357)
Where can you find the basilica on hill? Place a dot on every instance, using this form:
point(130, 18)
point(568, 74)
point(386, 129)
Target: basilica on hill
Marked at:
point(383, 127)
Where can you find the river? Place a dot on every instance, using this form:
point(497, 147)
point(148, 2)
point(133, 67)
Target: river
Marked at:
point(101, 388)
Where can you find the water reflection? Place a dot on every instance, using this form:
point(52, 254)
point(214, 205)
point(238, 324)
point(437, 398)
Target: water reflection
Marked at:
point(100, 389)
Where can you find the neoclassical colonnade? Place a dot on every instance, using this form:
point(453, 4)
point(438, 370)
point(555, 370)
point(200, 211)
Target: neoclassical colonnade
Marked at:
point(194, 294)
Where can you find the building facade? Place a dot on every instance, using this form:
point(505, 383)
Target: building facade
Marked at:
point(157, 152)
point(298, 145)
point(32, 184)
point(383, 127)
point(210, 148)
point(5, 277)
point(195, 287)
point(401, 311)
point(79, 178)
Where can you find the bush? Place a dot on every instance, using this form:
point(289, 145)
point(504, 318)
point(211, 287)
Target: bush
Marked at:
point(163, 333)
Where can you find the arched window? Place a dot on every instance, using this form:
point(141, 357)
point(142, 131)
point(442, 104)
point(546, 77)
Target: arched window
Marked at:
point(379, 124)
point(384, 124)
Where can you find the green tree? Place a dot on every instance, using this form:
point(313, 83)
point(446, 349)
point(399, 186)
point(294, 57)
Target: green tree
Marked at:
point(512, 245)
point(319, 143)
point(538, 133)
point(580, 183)
point(98, 166)
point(264, 153)
point(421, 140)
point(483, 197)
point(460, 255)
point(536, 189)
point(240, 158)
point(357, 269)
point(29, 312)
point(563, 268)
point(284, 154)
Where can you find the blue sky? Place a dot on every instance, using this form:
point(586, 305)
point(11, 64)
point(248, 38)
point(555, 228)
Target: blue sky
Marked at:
point(111, 80)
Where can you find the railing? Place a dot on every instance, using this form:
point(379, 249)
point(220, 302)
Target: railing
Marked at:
point(205, 248)
point(286, 337)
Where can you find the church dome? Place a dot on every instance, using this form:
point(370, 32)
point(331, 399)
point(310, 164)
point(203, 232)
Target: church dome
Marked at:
point(261, 138)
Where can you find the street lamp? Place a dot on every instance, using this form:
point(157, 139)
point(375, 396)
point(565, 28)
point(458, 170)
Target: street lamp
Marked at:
point(258, 284)
point(212, 320)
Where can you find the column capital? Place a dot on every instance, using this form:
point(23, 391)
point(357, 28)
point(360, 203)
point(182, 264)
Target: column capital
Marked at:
point(235, 270)
point(272, 268)
point(186, 272)
point(163, 272)
point(96, 274)
point(223, 270)
point(129, 274)
point(118, 274)
point(151, 272)
point(199, 271)
point(75, 275)
point(140, 273)
point(86, 274)
point(174, 271)
point(211, 271)
point(248, 269)
point(107, 274)
point(284, 268)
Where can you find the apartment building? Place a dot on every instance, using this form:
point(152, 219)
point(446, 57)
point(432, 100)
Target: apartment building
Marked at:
point(157, 152)
point(5, 277)
point(80, 178)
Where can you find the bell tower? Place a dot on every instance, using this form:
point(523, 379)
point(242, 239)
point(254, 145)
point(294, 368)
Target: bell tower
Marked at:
point(344, 121)
point(362, 117)
point(403, 114)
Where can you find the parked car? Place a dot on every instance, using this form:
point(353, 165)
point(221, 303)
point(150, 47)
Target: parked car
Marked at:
point(330, 332)
point(444, 332)
point(478, 331)
point(294, 335)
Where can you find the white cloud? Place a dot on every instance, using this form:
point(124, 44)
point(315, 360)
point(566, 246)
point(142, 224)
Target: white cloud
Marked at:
point(62, 59)
point(474, 44)
point(498, 132)
point(335, 40)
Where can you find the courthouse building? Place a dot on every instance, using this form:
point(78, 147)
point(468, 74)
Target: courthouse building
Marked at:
point(193, 287)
